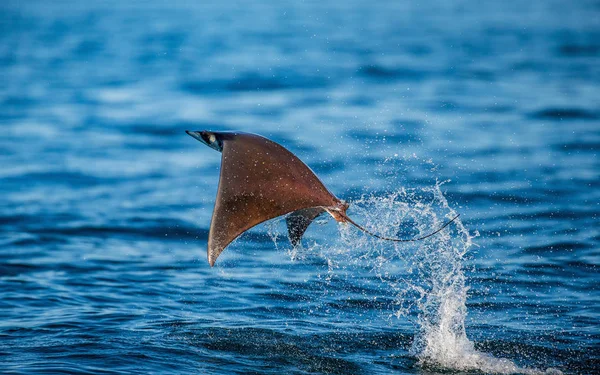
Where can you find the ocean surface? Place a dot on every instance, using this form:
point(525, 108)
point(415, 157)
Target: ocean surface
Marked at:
point(410, 111)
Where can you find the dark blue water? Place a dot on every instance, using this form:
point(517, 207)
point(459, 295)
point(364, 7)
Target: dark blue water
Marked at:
point(411, 111)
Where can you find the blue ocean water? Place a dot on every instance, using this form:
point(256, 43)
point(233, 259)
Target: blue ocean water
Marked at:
point(411, 111)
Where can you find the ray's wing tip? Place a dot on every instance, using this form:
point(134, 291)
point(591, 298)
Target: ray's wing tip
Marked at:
point(212, 256)
point(192, 133)
point(211, 260)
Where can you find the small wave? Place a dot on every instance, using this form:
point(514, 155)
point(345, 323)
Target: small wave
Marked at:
point(253, 82)
point(557, 114)
point(278, 347)
point(15, 269)
point(164, 229)
point(57, 177)
point(578, 146)
point(376, 71)
point(575, 50)
point(556, 247)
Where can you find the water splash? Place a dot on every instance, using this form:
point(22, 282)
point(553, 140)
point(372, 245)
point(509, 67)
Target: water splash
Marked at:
point(427, 277)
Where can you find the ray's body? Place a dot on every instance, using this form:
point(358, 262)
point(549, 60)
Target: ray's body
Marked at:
point(261, 180)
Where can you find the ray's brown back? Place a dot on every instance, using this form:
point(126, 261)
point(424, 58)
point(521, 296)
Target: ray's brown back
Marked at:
point(259, 180)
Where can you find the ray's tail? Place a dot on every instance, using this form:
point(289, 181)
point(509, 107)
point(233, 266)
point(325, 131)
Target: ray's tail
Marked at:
point(399, 239)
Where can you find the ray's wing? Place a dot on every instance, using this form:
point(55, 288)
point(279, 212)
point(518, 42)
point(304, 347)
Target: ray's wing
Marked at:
point(259, 180)
point(298, 221)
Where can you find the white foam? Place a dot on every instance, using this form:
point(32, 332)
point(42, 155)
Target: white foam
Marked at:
point(427, 276)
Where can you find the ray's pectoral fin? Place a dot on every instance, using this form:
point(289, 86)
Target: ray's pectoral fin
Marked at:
point(298, 221)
